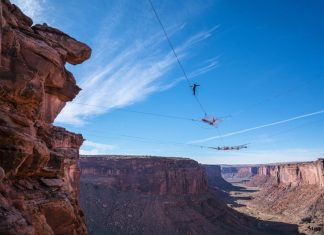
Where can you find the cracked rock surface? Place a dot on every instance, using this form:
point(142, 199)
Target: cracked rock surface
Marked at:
point(39, 172)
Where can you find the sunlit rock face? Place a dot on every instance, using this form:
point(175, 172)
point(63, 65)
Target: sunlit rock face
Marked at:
point(239, 172)
point(157, 176)
point(39, 190)
point(293, 189)
point(295, 174)
point(154, 195)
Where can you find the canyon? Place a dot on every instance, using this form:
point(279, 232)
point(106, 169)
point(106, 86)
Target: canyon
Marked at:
point(239, 172)
point(39, 171)
point(294, 191)
point(46, 188)
point(215, 178)
point(161, 195)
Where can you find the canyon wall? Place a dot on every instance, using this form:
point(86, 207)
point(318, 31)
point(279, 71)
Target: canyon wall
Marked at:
point(39, 172)
point(154, 195)
point(294, 174)
point(295, 190)
point(158, 176)
point(237, 172)
point(214, 177)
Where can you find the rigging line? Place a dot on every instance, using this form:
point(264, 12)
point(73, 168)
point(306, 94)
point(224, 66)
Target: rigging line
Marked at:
point(289, 130)
point(266, 100)
point(220, 134)
point(142, 139)
point(152, 140)
point(204, 127)
point(259, 127)
point(146, 140)
point(141, 112)
point(175, 54)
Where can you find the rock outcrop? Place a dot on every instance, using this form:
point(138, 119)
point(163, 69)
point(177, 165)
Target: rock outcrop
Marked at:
point(147, 175)
point(39, 171)
point(154, 195)
point(295, 174)
point(215, 179)
point(293, 189)
point(239, 171)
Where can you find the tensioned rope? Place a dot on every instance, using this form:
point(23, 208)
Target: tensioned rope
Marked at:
point(178, 60)
point(269, 99)
point(176, 56)
point(142, 112)
point(158, 141)
point(260, 127)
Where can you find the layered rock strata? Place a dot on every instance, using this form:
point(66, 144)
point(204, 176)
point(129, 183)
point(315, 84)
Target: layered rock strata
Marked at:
point(147, 175)
point(39, 170)
point(155, 195)
point(295, 190)
point(295, 174)
point(215, 179)
point(239, 171)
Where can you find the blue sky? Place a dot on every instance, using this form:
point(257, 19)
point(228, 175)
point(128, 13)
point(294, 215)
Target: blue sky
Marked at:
point(257, 62)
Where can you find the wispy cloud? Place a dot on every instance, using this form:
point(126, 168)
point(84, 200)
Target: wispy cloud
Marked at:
point(93, 148)
point(209, 65)
point(206, 66)
point(257, 127)
point(129, 71)
point(35, 9)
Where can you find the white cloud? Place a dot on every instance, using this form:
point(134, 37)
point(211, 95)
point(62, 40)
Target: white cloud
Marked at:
point(211, 64)
point(93, 148)
point(200, 36)
point(136, 70)
point(205, 68)
point(35, 9)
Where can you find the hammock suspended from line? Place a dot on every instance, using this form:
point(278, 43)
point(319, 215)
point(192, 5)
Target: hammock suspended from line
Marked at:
point(228, 148)
point(211, 120)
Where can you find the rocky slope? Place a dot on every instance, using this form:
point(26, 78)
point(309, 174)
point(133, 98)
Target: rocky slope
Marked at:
point(295, 190)
point(237, 172)
point(156, 195)
point(39, 170)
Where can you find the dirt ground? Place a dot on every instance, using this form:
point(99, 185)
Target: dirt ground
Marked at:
point(241, 197)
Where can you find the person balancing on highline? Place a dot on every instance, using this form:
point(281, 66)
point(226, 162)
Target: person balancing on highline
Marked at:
point(194, 88)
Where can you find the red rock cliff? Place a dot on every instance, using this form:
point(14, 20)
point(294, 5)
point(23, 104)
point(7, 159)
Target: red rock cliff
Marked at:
point(242, 171)
point(38, 161)
point(295, 174)
point(295, 190)
point(154, 195)
point(214, 177)
point(150, 175)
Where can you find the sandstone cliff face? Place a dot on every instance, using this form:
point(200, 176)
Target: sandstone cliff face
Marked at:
point(247, 171)
point(294, 189)
point(214, 177)
point(294, 174)
point(154, 195)
point(238, 172)
point(159, 176)
point(39, 190)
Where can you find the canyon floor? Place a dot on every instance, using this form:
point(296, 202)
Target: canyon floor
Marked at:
point(241, 198)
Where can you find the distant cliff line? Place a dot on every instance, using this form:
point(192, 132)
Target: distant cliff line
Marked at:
point(294, 174)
